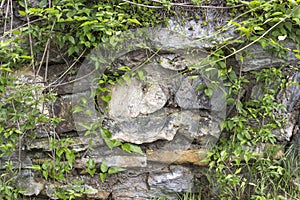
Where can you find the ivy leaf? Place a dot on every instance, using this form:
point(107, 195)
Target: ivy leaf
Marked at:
point(126, 78)
point(102, 176)
point(103, 167)
point(22, 13)
point(141, 75)
point(297, 56)
point(34, 167)
point(208, 92)
point(131, 148)
point(89, 23)
point(135, 21)
point(71, 39)
point(114, 170)
point(124, 68)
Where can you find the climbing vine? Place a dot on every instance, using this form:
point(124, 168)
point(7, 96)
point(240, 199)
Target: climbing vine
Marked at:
point(72, 27)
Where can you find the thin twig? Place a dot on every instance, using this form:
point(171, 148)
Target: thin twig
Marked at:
point(263, 35)
point(20, 137)
point(29, 35)
point(46, 48)
point(71, 66)
point(143, 5)
point(183, 5)
point(72, 81)
point(11, 17)
point(5, 18)
point(2, 4)
point(20, 27)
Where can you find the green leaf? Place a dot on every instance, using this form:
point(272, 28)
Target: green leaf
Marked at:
point(114, 170)
point(276, 14)
point(238, 171)
point(124, 68)
point(297, 56)
point(71, 39)
point(126, 78)
point(103, 167)
point(106, 98)
point(77, 109)
point(89, 23)
point(131, 148)
point(22, 13)
point(126, 147)
point(45, 174)
point(200, 87)
point(135, 21)
point(102, 176)
point(208, 92)
point(34, 167)
point(141, 75)
point(230, 101)
point(91, 171)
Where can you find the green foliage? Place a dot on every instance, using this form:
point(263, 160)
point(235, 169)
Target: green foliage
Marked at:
point(105, 169)
point(271, 23)
point(72, 26)
point(84, 24)
point(63, 159)
point(239, 171)
point(7, 183)
point(73, 190)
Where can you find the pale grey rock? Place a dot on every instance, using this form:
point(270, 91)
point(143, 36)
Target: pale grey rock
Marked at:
point(163, 125)
point(178, 179)
point(27, 182)
point(93, 193)
point(255, 58)
point(116, 157)
point(135, 100)
point(78, 145)
point(188, 97)
point(140, 115)
point(290, 96)
point(135, 187)
point(289, 126)
point(15, 159)
point(257, 92)
point(31, 186)
point(145, 129)
point(85, 115)
point(172, 61)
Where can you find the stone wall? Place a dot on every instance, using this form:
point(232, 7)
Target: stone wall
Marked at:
point(160, 108)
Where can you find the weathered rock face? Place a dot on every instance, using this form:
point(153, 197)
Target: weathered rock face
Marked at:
point(157, 107)
point(171, 112)
point(255, 58)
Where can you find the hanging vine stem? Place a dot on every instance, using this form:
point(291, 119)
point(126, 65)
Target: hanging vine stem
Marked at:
point(182, 5)
point(70, 67)
point(260, 37)
point(29, 35)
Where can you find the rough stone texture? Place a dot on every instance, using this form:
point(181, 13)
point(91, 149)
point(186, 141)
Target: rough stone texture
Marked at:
point(290, 96)
point(180, 157)
point(139, 116)
point(178, 179)
point(255, 58)
point(30, 185)
point(187, 96)
point(136, 100)
point(165, 113)
point(135, 187)
point(117, 158)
